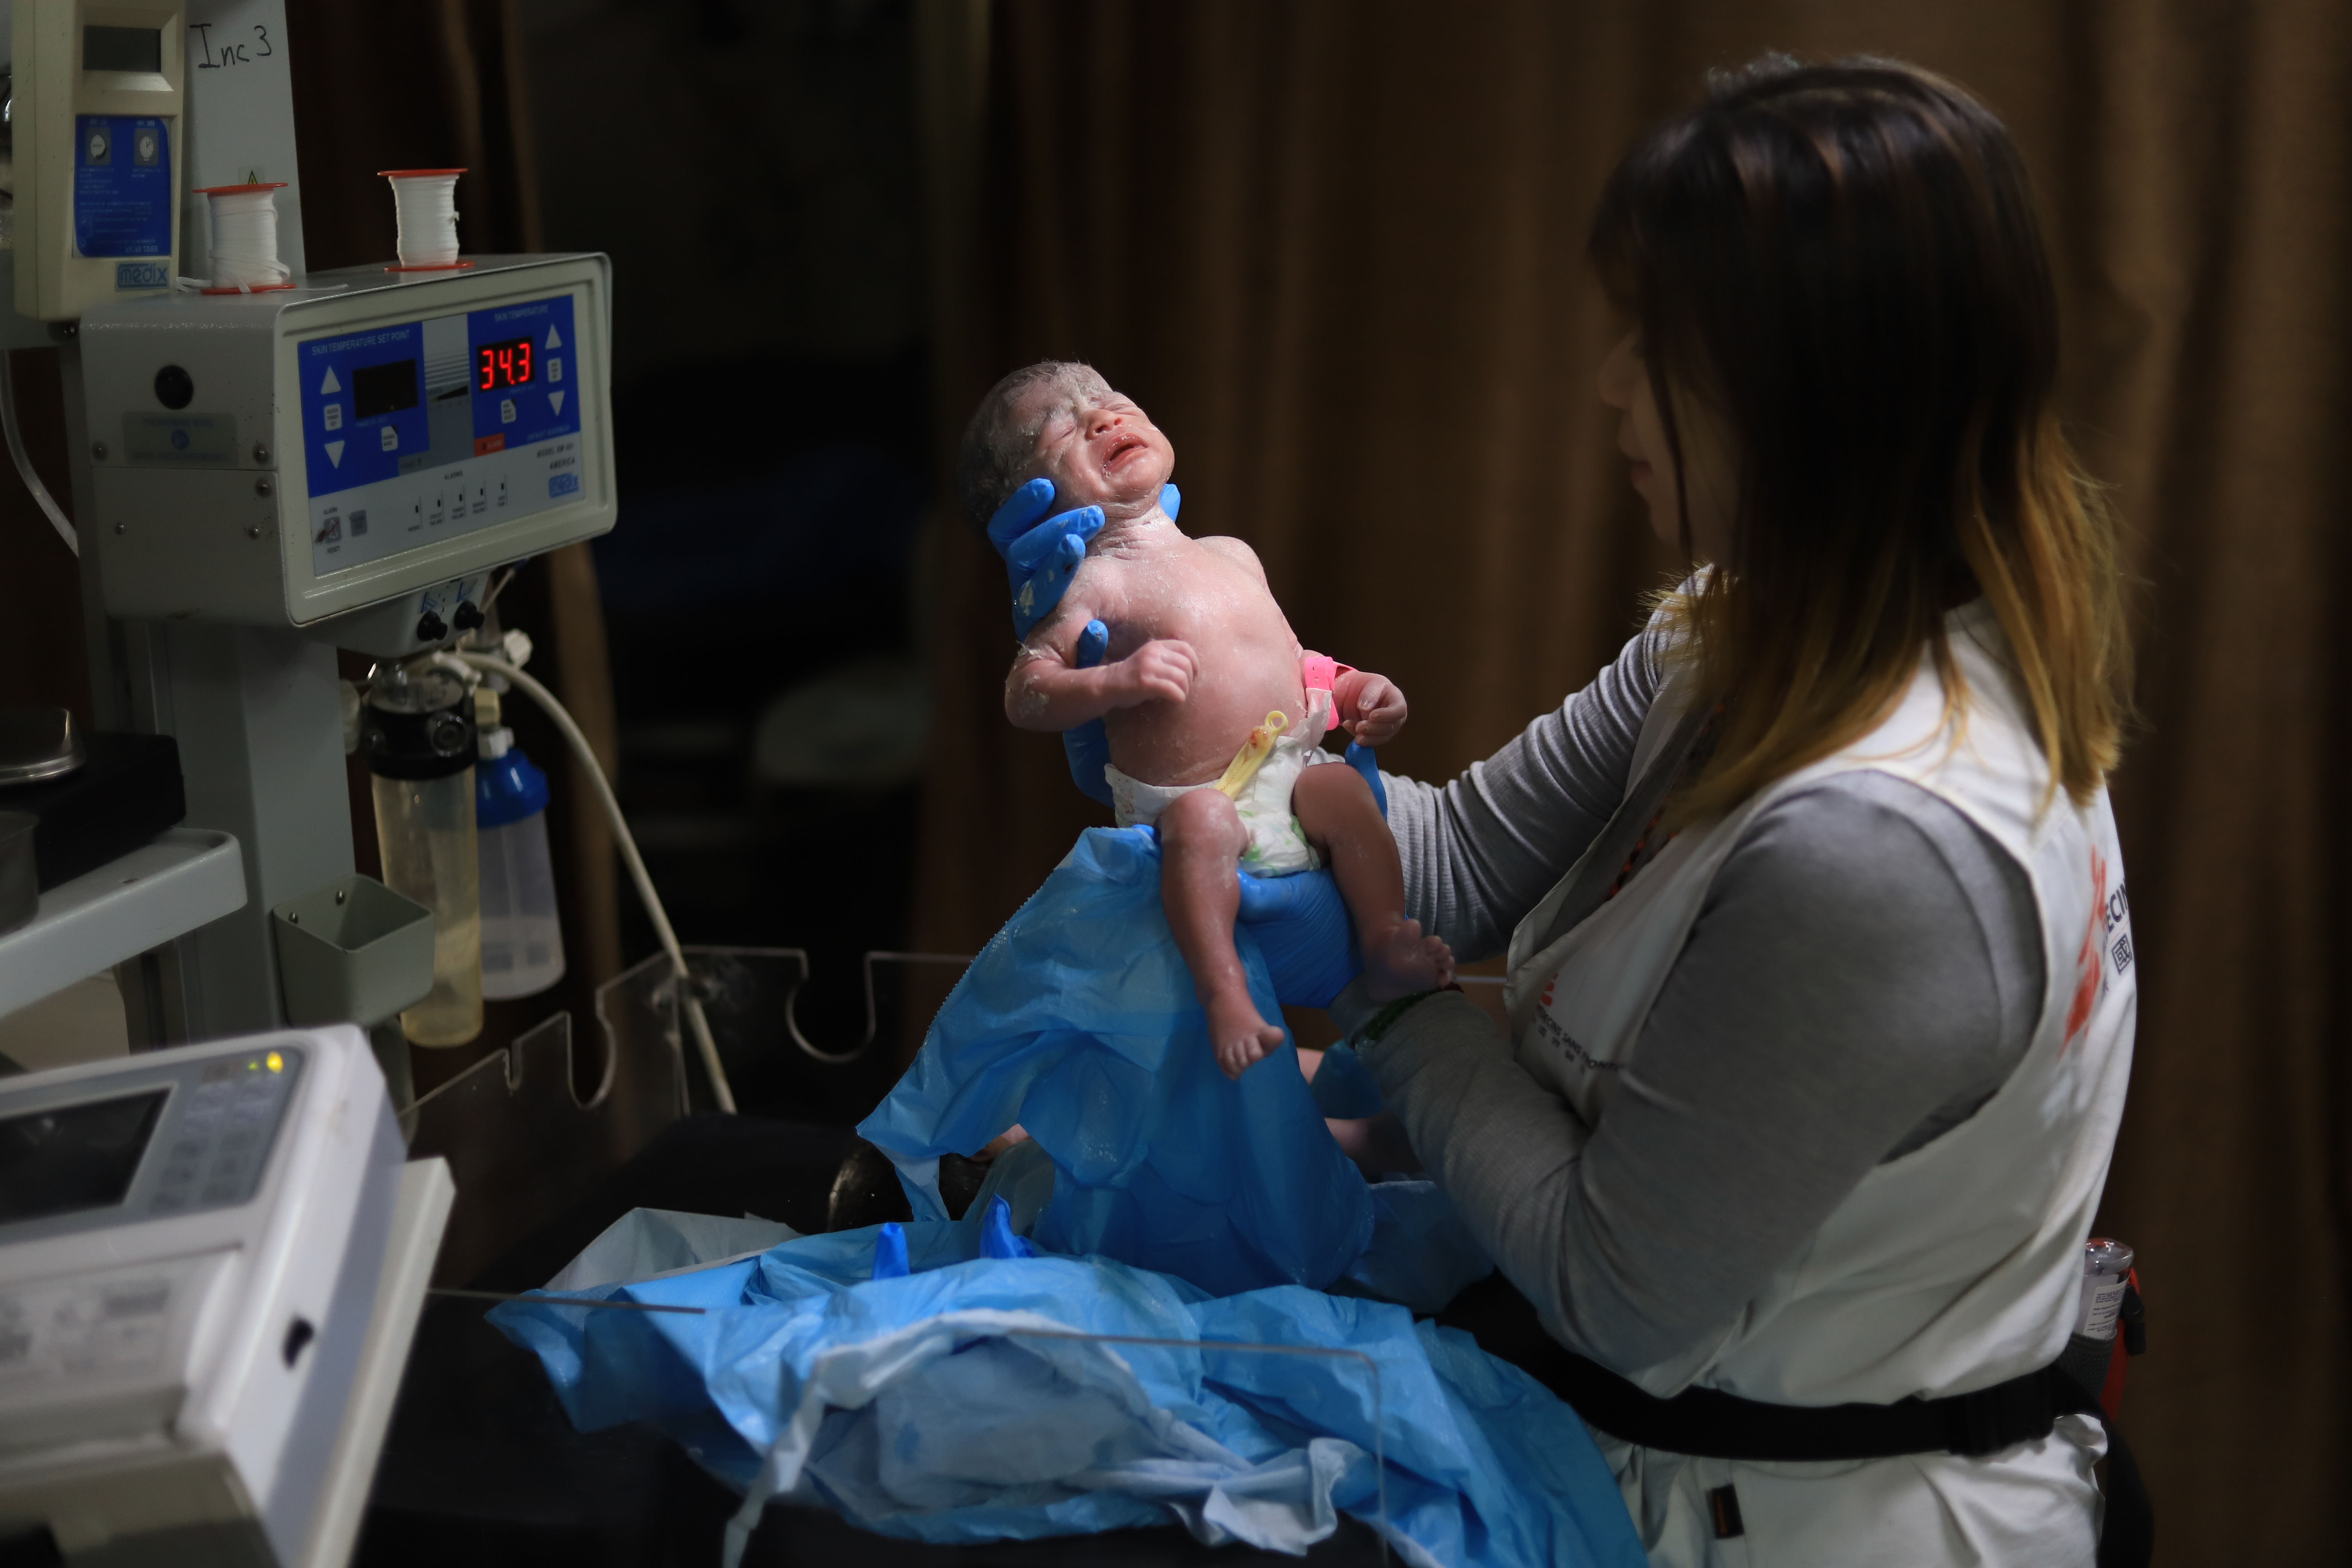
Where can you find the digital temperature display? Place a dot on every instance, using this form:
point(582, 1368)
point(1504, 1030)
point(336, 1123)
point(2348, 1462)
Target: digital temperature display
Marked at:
point(502, 364)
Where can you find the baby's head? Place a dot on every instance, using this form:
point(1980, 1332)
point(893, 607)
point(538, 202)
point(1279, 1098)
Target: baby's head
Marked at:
point(1061, 421)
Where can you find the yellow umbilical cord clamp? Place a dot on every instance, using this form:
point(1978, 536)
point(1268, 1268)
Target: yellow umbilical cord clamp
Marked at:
point(1253, 756)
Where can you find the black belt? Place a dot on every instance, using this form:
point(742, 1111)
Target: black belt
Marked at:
point(1710, 1423)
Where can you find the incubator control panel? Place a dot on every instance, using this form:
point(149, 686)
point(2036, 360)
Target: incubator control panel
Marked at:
point(437, 427)
point(308, 457)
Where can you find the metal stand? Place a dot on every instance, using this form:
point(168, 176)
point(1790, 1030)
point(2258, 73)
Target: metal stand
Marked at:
point(258, 717)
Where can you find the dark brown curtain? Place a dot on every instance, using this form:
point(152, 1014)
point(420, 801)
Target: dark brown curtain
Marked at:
point(1335, 248)
point(433, 85)
point(43, 663)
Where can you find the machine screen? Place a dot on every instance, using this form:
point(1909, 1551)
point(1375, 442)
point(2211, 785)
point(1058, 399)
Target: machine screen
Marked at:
point(378, 389)
point(424, 429)
point(122, 49)
point(75, 1157)
point(502, 364)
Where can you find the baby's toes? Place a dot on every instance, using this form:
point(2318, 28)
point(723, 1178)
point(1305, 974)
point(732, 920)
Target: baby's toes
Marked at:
point(1397, 964)
point(1254, 1050)
point(1414, 952)
point(1237, 1055)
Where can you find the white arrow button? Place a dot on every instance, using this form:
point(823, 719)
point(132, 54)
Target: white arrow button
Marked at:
point(335, 454)
point(555, 402)
point(554, 339)
point(331, 384)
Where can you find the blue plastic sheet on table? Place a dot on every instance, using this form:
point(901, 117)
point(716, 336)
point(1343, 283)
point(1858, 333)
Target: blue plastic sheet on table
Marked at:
point(1079, 1022)
point(962, 1401)
point(646, 1242)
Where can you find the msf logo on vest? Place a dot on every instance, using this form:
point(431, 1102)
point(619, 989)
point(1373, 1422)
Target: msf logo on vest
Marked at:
point(2106, 950)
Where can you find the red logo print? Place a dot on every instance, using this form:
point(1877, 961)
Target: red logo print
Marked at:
point(2089, 966)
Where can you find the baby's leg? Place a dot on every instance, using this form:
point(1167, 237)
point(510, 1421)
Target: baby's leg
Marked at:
point(1200, 844)
point(1344, 823)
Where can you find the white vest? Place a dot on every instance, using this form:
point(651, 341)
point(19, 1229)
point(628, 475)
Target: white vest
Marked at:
point(1951, 1268)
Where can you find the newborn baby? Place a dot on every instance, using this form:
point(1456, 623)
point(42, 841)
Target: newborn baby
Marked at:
point(1213, 712)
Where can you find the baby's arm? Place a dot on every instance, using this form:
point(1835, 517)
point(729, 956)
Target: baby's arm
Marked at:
point(1371, 707)
point(1046, 691)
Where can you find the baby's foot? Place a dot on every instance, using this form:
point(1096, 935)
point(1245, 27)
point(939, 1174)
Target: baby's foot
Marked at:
point(1401, 962)
point(1242, 1038)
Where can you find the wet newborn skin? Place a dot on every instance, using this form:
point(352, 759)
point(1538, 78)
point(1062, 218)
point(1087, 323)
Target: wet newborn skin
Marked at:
point(1200, 654)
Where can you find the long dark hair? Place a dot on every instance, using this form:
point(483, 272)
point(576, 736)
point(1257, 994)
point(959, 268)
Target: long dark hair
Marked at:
point(1842, 261)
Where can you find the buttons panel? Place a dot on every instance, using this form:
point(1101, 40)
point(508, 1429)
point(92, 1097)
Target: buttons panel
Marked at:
point(220, 1140)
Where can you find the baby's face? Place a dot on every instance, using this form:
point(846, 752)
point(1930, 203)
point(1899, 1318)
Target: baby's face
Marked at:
point(1099, 448)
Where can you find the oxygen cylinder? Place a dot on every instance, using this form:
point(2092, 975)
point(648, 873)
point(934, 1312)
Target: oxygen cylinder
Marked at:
point(417, 738)
point(522, 943)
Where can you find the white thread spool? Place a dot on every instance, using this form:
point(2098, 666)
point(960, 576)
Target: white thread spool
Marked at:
point(425, 202)
point(244, 238)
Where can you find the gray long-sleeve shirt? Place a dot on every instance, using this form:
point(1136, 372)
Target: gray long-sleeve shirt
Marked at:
point(1865, 972)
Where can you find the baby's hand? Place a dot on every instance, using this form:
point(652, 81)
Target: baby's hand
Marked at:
point(1161, 670)
point(1371, 708)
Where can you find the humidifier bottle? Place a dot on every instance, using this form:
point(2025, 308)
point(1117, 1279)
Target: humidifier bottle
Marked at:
point(522, 943)
point(417, 738)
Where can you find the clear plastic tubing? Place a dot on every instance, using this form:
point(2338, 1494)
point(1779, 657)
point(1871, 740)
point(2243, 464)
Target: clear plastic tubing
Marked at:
point(418, 736)
point(426, 203)
point(523, 941)
point(244, 237)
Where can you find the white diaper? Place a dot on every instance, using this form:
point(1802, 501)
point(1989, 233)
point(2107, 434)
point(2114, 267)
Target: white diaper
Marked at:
point(1277, 845)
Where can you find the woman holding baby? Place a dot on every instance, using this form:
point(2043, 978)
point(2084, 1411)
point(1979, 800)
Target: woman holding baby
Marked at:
point(1821, 992)
point(1821, 986)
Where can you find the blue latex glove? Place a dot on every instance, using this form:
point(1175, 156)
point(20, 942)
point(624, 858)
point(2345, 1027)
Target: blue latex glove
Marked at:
point(1089, 746)
point(1300, 923)
point(1041, 555)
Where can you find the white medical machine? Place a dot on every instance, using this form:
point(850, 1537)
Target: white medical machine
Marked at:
point(263, 478)
point(97, 113)
point(351, 456)
point(211, 1255)
point(340, 464)
point(193, 1246)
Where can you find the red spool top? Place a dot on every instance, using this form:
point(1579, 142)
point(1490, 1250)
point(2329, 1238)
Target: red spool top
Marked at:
point(413, 174)
point(237, 190)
